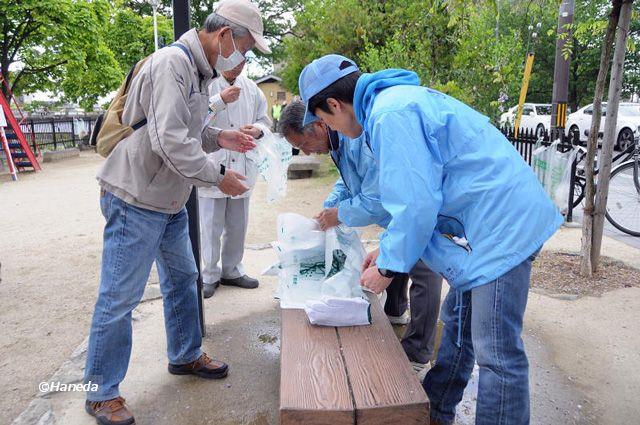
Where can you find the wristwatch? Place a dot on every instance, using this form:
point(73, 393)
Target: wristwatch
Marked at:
point(387, 273)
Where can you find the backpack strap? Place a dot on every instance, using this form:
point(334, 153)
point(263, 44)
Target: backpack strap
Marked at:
point(143, 121)
point(188, 53)
point(184, 49)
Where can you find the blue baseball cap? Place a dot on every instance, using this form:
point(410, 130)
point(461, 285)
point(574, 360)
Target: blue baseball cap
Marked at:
point(319, 75)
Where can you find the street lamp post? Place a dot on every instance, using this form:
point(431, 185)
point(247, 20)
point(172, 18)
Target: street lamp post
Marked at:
point(154, 5)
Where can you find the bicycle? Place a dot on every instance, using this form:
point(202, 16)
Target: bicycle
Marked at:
point(623, 202)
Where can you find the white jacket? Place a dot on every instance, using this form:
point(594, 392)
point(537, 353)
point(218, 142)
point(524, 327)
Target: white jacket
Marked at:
point(250, 109)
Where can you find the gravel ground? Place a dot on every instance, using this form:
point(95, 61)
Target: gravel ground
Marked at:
point(559, 273)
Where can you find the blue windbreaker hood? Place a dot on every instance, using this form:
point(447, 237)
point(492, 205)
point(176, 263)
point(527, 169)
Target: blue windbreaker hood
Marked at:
point(369, 85)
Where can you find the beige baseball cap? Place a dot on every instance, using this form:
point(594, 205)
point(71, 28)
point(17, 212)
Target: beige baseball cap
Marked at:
point(247, 15)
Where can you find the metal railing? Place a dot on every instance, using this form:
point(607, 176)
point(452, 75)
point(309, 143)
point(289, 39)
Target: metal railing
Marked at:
point(54, 133)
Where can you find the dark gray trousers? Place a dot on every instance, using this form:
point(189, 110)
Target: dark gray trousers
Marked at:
point(424, 295)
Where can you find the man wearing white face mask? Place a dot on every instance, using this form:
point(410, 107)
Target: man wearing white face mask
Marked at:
point(145, 183)
point(236, 102)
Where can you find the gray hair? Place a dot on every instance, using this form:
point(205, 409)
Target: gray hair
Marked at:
point(214, 22)
point(291, 119)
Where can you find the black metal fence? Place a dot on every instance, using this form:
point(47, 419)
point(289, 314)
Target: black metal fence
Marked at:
point(525, 142)
point(57, 132)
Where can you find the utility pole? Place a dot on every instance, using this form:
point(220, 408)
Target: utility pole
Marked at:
point(561, 70)
point(182, 24)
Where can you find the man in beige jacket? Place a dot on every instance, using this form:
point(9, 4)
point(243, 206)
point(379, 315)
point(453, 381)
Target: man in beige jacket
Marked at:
point(145, 183)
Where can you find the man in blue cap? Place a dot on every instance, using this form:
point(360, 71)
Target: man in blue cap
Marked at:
point(355, 201)
point(462, 199)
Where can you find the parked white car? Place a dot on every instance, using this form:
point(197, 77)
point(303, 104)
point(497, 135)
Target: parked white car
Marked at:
point(628, 121)
point(535, 116)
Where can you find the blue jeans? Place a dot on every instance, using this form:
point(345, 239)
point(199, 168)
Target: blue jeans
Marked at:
point(491, 320)
point(133, 238)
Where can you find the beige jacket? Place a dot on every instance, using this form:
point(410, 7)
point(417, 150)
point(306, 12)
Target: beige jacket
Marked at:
point(157, 165)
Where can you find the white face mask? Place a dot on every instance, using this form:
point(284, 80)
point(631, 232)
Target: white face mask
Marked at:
point(227, 64)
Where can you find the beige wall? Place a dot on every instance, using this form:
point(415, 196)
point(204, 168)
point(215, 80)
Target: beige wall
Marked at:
point(271, 90)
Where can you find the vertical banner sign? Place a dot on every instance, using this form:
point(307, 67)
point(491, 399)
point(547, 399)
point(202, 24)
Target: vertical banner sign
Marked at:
point(523, 91)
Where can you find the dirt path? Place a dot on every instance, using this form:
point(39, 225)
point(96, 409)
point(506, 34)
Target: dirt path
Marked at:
point(50, 246)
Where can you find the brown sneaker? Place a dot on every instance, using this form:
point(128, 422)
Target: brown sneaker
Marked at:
point(204, 367)
point(110, 412)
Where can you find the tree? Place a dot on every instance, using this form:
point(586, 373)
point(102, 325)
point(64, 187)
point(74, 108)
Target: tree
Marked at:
point(615, 88)
point(130, 36)
point(474, 54)
point(587, 266)
point(57, 45)
point(276, 18)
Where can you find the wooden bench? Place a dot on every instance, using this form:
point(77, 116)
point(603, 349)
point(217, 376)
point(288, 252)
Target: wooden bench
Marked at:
point(347, 375)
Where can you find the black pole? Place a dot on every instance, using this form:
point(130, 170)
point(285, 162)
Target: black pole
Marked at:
point(182, 24)
point(73, 133)
point(53, 134)
point(572, 182)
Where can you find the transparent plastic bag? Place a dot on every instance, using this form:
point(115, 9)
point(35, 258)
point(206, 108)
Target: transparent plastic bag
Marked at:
point(561, 178)
point(272, 156)
point(313, 263)
point(553, 169)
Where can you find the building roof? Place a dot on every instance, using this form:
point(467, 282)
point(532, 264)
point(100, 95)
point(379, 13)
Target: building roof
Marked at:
point(269, 79)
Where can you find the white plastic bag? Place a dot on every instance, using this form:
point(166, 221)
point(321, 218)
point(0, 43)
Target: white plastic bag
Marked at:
point(271, 157)
point(561, 178)
point(553, 169)
point(313, 263)
point(542, 161)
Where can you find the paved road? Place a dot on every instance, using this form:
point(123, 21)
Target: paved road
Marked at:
point(609, 230)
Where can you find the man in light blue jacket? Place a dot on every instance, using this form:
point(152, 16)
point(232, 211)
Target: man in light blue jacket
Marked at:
point(355, 202)
point(462, 199)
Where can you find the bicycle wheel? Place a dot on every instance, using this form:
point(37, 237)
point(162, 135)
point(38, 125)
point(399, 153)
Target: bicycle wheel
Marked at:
point(623, 202)
point(579, 190)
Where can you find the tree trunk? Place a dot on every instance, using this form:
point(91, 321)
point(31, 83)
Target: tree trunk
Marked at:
point(613, 101)
point(592, 144)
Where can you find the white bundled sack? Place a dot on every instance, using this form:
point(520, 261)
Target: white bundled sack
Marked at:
point(335, 311)
point(553, 169)
point(316, 267)
point(272, 156)
point(560, 178)
point(542, 159)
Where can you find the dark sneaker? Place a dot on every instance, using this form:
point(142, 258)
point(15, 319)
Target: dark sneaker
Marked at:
point(110, 412)
point(245, 282)
point(204, 367)
point(208, 289)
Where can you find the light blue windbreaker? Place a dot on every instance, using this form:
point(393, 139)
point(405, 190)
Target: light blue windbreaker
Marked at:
point(460, 196)
point(355, 194)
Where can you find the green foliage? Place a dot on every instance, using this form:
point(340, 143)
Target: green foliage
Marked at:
point(276, 18)
point(475, 54)
point(58, 45)
point(130, 36)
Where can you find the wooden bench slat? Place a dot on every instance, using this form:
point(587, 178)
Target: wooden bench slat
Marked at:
point(313, 381)
point(385, 388)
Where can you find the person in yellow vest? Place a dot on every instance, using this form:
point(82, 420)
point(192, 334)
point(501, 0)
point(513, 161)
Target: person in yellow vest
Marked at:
point(276, 112)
